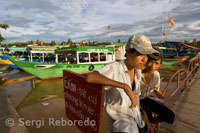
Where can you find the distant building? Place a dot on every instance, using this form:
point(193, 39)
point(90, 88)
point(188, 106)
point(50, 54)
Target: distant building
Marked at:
point(34, 44)
point(82, 42)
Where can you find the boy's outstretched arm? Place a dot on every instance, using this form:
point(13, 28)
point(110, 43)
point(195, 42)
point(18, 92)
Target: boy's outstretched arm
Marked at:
point(97, 78)
point(159, 94)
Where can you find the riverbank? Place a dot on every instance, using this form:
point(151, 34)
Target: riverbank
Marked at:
point(9, 116)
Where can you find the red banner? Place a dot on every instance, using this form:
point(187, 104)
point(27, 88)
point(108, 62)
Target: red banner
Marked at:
point(83, 102)
point(163, 34)
point(41, 43)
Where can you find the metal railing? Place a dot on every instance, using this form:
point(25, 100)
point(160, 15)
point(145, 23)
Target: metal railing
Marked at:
point(191, 70)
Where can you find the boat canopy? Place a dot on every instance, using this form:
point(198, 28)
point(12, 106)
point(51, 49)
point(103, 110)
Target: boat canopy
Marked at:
point(119, 48)
point(86, 49)
point(2, 49)
point(17, 49)
point(42, 51)
point(109, 43)
point(166, 48)
point(43, 48)
point(85, 55)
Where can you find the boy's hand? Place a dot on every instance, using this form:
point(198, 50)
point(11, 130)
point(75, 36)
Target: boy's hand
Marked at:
point(132, 96)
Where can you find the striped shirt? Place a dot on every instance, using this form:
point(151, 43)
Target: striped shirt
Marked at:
point(154, 85)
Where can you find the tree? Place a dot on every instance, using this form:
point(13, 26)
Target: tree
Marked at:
point(30, 42)
point(69, 42)
point(194, 42)
point(38, 42)
point(119, 41)
point(63, 43)
point(186, 41)
point(52, 43)
point(198, 44)
point(4, 26)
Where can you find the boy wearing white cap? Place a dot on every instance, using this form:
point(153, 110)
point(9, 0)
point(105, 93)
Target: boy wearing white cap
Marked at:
point(122, 85)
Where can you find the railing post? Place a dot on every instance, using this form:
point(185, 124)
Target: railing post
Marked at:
point(178, 79)
point(192, 68)
point(185, 81)
point(194, 71)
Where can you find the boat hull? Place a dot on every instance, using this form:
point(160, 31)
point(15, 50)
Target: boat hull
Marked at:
point(174, 61)
point(8, 62)
point(171, 62)
point(45, 70)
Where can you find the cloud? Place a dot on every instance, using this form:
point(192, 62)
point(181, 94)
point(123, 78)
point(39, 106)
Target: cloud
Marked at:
point(88, 19)
point(109, 1)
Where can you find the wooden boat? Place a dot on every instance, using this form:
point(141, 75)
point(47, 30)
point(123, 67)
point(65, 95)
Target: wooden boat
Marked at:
point(171, 56)
point(174, 61)
point(77, 59)
point(9, 63)
point(17, 52)
point(175, 53)
point(32, 54)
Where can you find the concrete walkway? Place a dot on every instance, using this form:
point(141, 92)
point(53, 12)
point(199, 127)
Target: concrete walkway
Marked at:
point(8, 116)
point(187, 109)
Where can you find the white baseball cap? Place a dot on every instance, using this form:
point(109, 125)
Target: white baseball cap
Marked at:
point(140, 43)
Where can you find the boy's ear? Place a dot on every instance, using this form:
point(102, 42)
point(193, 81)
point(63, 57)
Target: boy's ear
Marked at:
point(161, 62)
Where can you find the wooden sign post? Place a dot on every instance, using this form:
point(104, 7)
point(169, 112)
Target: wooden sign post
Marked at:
point(83, 102)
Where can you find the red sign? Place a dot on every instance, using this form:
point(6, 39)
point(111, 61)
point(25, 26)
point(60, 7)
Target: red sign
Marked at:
point(83, 102)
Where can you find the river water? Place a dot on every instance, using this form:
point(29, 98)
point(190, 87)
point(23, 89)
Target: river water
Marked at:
point(37, 101)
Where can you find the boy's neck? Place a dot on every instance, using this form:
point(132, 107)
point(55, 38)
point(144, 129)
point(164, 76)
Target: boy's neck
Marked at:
point(148, 74)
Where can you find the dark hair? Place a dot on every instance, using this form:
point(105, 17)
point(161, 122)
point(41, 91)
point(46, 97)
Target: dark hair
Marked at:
point(132, 50)
point(150, 58)
point(156, 56)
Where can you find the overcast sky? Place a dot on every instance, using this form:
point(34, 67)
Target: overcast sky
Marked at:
point(88, 20)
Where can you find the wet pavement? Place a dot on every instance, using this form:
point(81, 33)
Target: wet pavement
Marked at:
point(9, 116)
